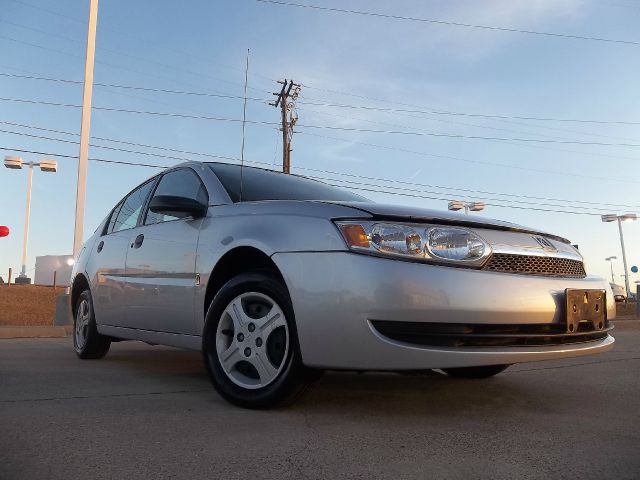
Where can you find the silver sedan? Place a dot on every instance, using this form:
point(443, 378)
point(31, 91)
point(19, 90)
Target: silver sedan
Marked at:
point(276, 277)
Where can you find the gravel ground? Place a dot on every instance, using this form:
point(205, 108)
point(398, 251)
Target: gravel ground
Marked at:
point(27, 305)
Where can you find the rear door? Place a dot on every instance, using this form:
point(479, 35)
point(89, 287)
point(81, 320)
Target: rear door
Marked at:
point(109, 257)
point(161, 276)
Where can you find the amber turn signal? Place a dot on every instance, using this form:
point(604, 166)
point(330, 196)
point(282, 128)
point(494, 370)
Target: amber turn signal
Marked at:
point(355, 235)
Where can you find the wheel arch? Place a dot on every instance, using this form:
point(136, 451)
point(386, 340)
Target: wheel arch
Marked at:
point(239, 260)
point(80, 284)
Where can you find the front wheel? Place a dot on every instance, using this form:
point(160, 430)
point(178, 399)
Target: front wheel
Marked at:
point(250, 343)
point(475, 372)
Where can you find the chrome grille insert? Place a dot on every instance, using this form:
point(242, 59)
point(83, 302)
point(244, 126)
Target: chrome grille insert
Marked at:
point(535, 265)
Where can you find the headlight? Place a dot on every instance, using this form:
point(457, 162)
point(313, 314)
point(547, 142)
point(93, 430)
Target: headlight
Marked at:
point(439, 244)
point(453, 243)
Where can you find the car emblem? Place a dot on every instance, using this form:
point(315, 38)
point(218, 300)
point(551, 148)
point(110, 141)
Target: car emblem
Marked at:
point(545, 244)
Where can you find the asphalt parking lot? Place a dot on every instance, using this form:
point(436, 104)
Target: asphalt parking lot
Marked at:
point(149, 412)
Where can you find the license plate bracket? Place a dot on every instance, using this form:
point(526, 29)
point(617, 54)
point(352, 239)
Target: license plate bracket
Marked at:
point(585, 305)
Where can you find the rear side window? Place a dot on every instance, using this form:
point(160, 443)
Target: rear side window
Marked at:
point(179, 183)
point(130, 208)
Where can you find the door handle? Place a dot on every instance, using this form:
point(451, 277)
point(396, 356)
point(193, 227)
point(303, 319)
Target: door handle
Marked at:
point(138, 241)
point(100, 245)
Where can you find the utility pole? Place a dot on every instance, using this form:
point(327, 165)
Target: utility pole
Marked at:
point(83, 157)
point(286, 100)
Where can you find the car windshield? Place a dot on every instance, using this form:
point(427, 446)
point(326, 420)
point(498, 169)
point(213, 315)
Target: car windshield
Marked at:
point(260, 184)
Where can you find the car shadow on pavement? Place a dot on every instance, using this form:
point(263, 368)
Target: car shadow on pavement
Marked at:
point(163, 361)
point(432, 394)
point(424, 393)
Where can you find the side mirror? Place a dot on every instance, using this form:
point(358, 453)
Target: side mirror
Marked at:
point(177, 206)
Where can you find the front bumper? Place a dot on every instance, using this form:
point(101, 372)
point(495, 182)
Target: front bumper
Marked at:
point(337, 296)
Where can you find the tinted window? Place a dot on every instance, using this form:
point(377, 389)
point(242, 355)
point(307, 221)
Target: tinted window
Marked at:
point(114, 215)
point(259, 184)
point(131, 207)
point(178, 183)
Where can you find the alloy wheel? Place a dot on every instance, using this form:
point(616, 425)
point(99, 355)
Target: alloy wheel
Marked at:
point(252, 340)
point(83, 315)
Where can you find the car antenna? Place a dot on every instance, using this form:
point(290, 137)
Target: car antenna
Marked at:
point(244, 120)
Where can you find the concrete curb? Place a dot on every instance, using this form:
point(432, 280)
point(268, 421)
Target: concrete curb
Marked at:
point(35, 332)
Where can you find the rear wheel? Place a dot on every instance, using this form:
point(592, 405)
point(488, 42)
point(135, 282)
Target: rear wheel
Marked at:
point(87, 342)
point(475, 372)
point(250, 343)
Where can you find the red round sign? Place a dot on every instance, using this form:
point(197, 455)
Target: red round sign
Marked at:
point(4, 231)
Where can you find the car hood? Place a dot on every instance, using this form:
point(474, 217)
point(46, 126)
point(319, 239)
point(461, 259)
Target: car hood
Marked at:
point(417, 214)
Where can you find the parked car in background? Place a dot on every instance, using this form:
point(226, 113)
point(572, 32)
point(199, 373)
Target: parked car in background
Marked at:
point(276, 277)
point(619, 292)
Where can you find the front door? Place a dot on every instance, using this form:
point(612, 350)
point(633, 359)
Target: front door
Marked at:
point(160, 267)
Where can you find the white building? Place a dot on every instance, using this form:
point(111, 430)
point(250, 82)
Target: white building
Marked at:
point(48, 264)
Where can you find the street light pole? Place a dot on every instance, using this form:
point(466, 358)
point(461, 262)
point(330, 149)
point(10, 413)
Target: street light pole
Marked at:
point(610, 260)
point(624, 258)
point(628, 217)
point(16, 163)
point(83, 157)
point(23, 271)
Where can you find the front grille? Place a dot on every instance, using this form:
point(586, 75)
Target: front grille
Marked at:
point(487, 335)
point(534, 265)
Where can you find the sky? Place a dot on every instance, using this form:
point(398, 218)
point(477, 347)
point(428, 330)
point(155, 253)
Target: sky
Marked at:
point(376, 103)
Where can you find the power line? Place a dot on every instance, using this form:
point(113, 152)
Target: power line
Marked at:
point(134, 87)
point(356, 186)
point(478, 162)
point(139, 112)
point(466, 190)
point(474, 192)
point(428, 111)
point(114, 52)
point(137, 38)
point(319, 103)
point(500, 165)
point(451, 23)
point(468, 137)
point(117, 149)
point(329, 127)
point(131, 87)
point(60, 155)
point(405, 189)
point(119, 67)
point(447, 199)
point(124, 142)
point(473, 125)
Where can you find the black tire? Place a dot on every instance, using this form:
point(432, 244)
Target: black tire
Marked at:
point(475, 372)
point(292, 378)
point(87, 342)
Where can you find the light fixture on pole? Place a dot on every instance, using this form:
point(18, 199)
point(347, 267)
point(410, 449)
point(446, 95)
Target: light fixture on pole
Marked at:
point(627, 217)
point(16, 163)
point(456, 205)
point(610, 260)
